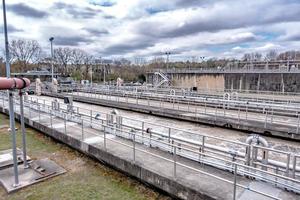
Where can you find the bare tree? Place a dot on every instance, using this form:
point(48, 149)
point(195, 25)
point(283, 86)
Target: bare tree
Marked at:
point(25, 51)
point(77, 58)
point(89, 62)
point(63, 57)
point(271, 55)
point(247, 57)
point(257, 56)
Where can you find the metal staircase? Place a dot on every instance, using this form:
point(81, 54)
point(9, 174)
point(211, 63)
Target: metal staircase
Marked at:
point(161, 79)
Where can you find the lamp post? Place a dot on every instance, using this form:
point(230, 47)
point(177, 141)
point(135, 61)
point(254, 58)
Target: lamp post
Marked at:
point(10, 100)
point(91, 75)
point(168, 54)
point(51, 44)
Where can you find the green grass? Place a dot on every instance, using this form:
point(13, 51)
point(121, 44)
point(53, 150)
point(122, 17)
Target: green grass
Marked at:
point(85, 178)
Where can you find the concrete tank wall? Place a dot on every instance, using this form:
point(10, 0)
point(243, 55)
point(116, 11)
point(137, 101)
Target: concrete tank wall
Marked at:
point(208, 81)
point(281, 82)
point(263, 82)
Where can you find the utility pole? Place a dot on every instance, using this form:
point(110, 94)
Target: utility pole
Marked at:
point(10, 100)
point(91, 75)
point(52, 58)
point(168, 54)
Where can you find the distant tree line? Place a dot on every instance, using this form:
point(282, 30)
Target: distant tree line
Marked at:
point(28, 55)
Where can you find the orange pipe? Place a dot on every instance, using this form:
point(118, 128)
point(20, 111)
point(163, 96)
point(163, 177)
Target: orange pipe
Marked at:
point(13, 83)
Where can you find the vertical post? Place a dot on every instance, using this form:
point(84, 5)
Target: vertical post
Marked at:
point(266, 119)
point(150, 138)
point(82, 130)
point(23, 130)
point(288, 164)
point(13, 135)
point(297, 131)
point(65, 123)
point(276, 172)
point(39, 107)
point(169, 139)
point(174, 161)
point(272, 115)
point(91, 116)
point(246, 112)
point(51, 43)
point(239, 112)
point(294, 166)
point(216, 111)
point(51, 120)
point(143, 127)
point(234, 181)
point(104, 142)
point(133, 144)
point(203, 145)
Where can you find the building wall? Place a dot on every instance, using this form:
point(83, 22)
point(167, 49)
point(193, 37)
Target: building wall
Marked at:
point(283, 82)
point(263, 82)
point(207, 81)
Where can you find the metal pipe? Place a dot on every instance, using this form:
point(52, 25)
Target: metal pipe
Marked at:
point(13, 83)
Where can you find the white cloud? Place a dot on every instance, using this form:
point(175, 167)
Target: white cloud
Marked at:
point(147, 27)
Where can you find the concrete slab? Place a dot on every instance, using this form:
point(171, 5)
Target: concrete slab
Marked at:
point(93, 140)
point(31, 175)
point(6, 158)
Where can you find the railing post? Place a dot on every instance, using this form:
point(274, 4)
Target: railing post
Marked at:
point(133, 141)
point(216, 114)
point(104, 142)
point(39, 113)
point(65, 123)
point(143, 126)
point(51, 120)
point(150, 138)
point(82, 130)
point(288, 164)
point(169, 139)
point(175, 161)
point(247, 112)
point(202, 147)
point(272, 115)
point(266, 119)
point(239, 113)
point(234, 181)
point(298, 124)
point(91, 116)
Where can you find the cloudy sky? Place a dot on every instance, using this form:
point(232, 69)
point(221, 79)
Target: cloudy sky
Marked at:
point(145, 28)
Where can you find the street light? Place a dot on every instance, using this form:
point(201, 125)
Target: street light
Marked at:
point(51, 43)
point(168, 54)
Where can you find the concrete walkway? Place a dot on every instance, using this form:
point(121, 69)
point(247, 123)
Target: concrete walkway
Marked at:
point(153, 166)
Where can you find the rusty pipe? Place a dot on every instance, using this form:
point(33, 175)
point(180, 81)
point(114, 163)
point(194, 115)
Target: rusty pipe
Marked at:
point(13, 83)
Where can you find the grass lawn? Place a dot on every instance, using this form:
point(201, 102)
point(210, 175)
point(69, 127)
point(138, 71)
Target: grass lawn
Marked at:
point(85, 178)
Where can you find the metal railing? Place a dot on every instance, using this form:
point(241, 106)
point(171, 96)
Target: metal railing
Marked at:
point(228, 112)
point(45, 114)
